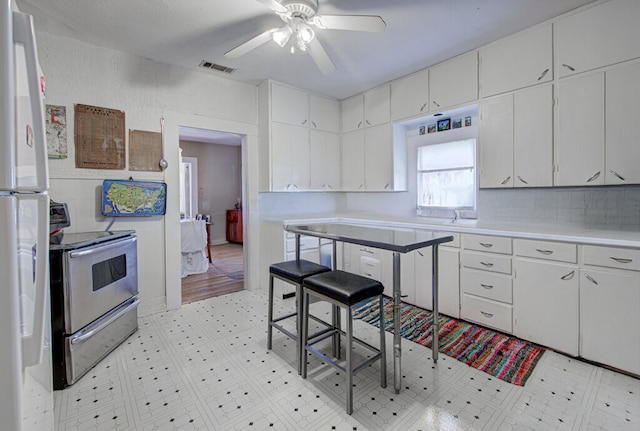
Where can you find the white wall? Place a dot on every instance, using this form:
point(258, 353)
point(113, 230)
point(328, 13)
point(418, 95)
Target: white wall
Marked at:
point(219, 182)
point(147, 91)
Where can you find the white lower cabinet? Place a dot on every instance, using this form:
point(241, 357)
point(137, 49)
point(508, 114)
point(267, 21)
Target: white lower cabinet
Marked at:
point(448, 280)
point(545, 304)
point(309, 250)
point(610, 307)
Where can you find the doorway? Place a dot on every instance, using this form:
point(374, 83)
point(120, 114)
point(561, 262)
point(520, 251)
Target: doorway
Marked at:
point(214, 188)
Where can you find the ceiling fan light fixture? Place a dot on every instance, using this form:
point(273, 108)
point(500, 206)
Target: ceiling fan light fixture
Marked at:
point(282, 35)
point(305, 33)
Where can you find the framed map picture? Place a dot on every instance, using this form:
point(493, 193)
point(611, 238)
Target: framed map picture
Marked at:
point(127, 198)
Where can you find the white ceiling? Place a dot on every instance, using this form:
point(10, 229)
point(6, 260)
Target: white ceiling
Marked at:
point(419, 33)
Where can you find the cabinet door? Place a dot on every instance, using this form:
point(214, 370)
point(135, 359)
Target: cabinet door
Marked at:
point(378, 158)
point(410, 96)
point(454, 82)
point(609, 318)
point(289, 157)
point(516, 61)
point(580, 143)
point(289, 105)
point(325, 153)
point(533, 137)
point(448, 280)
point(496, 142)
point(545, 304)
point(602, 35)
point(622, 145)
point(353, 160)
point(324, 113)
point(377, 106)
point(352, 113)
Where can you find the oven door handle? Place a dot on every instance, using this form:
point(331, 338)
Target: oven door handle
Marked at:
point(92, 332)
point(108, 246)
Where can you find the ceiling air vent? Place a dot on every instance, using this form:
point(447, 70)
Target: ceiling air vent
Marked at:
point(220, 68)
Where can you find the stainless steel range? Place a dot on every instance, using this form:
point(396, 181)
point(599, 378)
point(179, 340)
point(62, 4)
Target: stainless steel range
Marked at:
point(94, 288)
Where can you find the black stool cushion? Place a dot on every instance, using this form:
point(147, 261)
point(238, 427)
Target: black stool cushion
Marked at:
point(344, 287)
point(297, 270)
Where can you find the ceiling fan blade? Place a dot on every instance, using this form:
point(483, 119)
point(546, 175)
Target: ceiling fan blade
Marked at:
point(320, 57)
point(274, 6)
point(350, 22)
point(251, 44)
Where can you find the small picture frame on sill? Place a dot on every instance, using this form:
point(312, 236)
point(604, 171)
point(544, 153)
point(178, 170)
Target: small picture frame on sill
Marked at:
point(207, 218)
point(431, 128)
point(444, 124)
point(456, 124)
point(198, 216)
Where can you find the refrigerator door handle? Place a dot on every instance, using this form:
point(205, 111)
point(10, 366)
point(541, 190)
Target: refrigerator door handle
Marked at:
point(32, 344)
point(23, 32)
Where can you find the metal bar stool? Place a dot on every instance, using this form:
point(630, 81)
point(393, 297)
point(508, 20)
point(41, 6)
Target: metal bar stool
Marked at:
point(345, 290)
point(293, 272)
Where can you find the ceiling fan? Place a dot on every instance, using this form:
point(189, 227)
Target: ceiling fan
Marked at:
point(301, 19)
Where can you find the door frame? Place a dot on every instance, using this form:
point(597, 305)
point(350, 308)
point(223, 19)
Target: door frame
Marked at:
point(171, 144)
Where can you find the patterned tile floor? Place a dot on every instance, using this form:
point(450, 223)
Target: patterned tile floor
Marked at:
point(206, 367)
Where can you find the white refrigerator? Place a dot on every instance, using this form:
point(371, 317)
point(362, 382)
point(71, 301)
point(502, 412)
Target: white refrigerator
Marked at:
point(26, 396)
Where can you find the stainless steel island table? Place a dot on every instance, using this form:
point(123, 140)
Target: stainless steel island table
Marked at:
point(396, 239)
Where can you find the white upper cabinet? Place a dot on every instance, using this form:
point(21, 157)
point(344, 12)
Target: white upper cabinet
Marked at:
point(496, 142)
point(622, 144)
point(599, 36)
point(289, 105)
point(454, 82)
point(378, 158)
point(325, 156)
point(410, 96)
point(367, 109)
point(324, 113)
point(289, 157)
point(533, 137)
point(353, 161)
point(516, 61)
point(377, 106)
point(579, 148)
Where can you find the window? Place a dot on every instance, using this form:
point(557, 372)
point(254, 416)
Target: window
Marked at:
point(447, 177)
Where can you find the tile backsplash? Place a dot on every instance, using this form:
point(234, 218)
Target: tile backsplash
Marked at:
point(611, 206)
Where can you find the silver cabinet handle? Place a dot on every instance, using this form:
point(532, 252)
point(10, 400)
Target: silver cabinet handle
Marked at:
point(366, 251)
point(506, 180)
point(520, 178)
point(568, 276)
point(368, 123)
point(487, 264)
point(386, 186)
point(304, 122)
point(423, 106)
point(486, 244)
point(361, 187)
point(545, 252)
point(436, 103)
point(593, 177)
point(485, 314)
point(568, 67)
point(486, 286)
point(621, 260)
point(359, 124)
point(420, 253)
point(614, 173)
point(543, 74)
point(315, 126)
point(591, 279)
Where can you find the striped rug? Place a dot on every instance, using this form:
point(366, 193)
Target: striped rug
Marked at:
point(505, 357)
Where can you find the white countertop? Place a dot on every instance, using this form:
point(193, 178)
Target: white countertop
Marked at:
point(578, 234)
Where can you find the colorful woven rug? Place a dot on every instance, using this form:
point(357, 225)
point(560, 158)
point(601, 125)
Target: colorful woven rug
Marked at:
point(507, 358)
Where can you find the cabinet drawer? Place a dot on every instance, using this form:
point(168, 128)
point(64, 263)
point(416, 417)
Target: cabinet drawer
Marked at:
point(455, 243)
point(486, 262)
point(370, 267)
point(493, 244)
point(612, 257)
point(557, 251)
point(487, 313)
point(487, 285)
point(306, 242)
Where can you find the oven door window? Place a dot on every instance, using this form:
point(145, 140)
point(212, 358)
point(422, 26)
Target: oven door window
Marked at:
point(109, 271)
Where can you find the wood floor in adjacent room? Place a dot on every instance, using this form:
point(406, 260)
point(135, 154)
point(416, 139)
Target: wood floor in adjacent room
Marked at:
point(225, 275)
